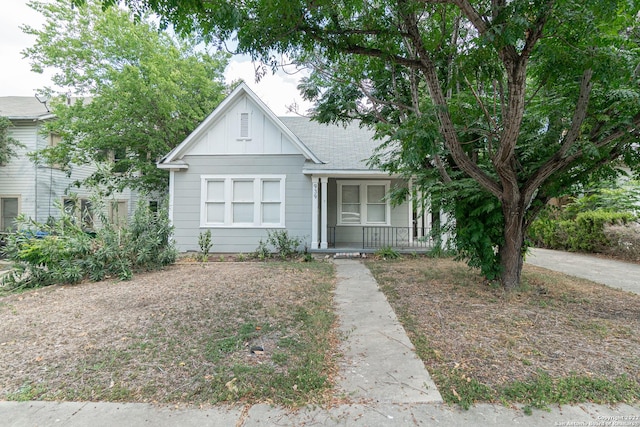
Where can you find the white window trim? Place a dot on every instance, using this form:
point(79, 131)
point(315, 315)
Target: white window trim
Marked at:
point(363, 202)
point(228, 202)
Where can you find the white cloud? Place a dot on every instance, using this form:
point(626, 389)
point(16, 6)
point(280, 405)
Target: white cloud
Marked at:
point(16, 78)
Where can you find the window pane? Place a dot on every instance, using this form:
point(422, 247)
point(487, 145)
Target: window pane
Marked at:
point(243, 213)
point(69, 207)
point(351, 213)
point(215, 213)
point(271, 191)
point(350, 194)
point(86, 212)
point(118, 214)
point(9, 212)
point(376, 213)
point(242, 191)
point(271, 213)
point(215, 191)
point(375, 193)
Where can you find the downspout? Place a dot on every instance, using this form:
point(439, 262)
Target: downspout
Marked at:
point(35, 165)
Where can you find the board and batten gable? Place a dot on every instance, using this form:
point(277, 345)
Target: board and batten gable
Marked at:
point(240, 141)
point(224, 135)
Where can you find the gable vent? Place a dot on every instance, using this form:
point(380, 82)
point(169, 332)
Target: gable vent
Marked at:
point(244, 125)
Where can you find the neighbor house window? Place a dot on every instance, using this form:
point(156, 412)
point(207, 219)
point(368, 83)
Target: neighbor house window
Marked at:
point(363, 203)
point(9, 209)
point(118, 213)
point(54, 139)
point(81, 210)
point(242, 201)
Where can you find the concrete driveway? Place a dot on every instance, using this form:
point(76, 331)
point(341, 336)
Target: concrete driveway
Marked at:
point(617, 274)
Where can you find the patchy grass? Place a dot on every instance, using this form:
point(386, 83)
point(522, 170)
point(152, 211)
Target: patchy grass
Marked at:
point(192, 334)
point(557, 339)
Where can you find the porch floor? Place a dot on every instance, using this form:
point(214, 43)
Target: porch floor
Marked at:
point(357, 247)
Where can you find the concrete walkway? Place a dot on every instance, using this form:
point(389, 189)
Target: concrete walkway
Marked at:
point(617, 274)
point(380, 372)
point(379, 362)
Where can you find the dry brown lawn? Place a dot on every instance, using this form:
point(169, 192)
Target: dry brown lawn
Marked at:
point(555, 324)
point(178, 335)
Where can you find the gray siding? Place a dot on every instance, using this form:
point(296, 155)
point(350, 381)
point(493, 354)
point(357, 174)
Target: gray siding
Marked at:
point(186, 200)
point(18, 177)
point(40, 188)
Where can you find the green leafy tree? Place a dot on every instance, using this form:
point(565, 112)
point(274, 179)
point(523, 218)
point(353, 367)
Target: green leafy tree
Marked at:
point(8, 145)
point(140, 91)
point(517, 101)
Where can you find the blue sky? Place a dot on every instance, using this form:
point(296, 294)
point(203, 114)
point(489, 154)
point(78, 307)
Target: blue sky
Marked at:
point(17, 79)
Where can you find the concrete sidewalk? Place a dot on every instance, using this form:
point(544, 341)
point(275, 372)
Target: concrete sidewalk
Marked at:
point(617, 274)
point(88, 414)
point(379, 372)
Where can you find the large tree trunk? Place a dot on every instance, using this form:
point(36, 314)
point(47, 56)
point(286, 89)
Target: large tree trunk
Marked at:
point(511, 258)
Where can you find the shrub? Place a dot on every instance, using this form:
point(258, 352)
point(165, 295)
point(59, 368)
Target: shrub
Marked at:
point(585, 233)
point(388, 253)
point(205, 243)
point(279, 243)
point(285, 246)
point(61, 252)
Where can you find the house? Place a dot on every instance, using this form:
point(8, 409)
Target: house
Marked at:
point(33, 189)
point(243, 172)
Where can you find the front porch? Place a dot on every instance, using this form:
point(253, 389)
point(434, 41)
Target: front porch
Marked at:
point(370, 239)
point(355, 215)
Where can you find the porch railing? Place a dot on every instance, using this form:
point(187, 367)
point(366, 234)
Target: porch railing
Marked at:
point(381, 237)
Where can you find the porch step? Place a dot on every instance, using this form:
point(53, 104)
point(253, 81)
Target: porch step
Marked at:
point(349, 255)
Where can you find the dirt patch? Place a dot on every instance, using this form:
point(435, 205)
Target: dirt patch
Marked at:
point(555, 324)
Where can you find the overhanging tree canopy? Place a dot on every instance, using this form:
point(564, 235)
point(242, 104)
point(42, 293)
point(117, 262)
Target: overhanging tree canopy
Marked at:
point(510, 102)
point(141, 91)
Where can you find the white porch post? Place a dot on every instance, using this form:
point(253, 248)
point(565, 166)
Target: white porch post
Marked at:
point(323, 212)
point(426, 213)
point(411, 200)
point(420, 213)
point(314, 212)
point(444, 219)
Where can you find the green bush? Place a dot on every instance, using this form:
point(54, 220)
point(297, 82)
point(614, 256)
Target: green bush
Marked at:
point(279, 243)
point(205, 243)
point(585, 233)
point(387, 252)
point(60, 251)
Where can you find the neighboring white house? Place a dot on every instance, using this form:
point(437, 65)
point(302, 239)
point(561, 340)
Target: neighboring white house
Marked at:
point(244, 172)
point(34, 190)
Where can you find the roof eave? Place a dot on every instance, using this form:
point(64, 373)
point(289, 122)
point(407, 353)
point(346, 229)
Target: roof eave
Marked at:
point(348, 172)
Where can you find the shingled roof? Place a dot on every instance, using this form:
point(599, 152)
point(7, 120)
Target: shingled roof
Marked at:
point(340, 148)
point(23, 108)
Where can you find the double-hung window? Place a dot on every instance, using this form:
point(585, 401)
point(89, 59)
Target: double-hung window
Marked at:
point(242, 201)
point(363, 203)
